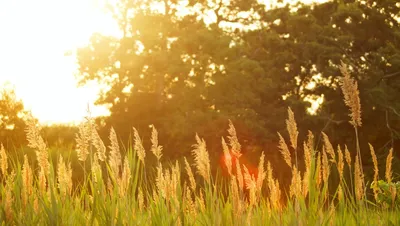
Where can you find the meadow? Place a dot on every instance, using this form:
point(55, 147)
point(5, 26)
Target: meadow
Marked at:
point(117, 190)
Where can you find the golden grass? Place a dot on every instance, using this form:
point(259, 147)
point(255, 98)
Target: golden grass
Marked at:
point(121, 188)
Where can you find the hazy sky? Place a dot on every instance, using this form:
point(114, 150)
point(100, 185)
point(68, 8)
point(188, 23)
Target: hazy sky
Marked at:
point(34, 35)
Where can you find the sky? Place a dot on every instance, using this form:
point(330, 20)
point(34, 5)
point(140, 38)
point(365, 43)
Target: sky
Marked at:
point(34, 38)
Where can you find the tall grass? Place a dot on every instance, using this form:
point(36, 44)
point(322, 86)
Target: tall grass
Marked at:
point(117, 190)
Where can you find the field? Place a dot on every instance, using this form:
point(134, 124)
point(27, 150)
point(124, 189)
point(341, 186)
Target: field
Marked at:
point(118, 191)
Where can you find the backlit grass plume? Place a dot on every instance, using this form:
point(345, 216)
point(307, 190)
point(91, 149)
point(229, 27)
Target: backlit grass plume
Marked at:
point(155, 148)
point(27, 181)
point(233, 140)
point(189, 172)
point(227, 156)
point(201, 158)
point(376, 172)
point(115, 161)
point(138, 146)
point(83, 139)
point(64, 177)
point(284, 149)
point(351, 96)
point(99, 145)
point(3, 160)
point(291, 127)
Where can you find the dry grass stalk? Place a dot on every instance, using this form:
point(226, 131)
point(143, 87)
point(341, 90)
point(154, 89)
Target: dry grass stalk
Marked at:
point(36, 205)
point(83, 139)
point(9, 199)
point(27, 181)
point(283, 148)
point(99, 145)
point(307, 161)
point(3, 161)
point(155, 148)
point(233, 140)
point(176, 172)
point(64, 177)
point(340, 194)
point(160, 181)
point(347, 156)
point(239, 176)
point(189, 172)
point(328, 147)
point(96, 170)
point(388, 172)
point(36, 142)
point(251, 185)
point(201, 158)
point(201, 202)
point(307, 156)
point(358, 180)
point(273, 187)
point(261, 174)
point(376, 172)
point(325, 167)
point(125, 178)
point(138, 146)
point(275, 197)
point(141, 200)
point(115, 155)
point(237, 203)
point(296, 185)
point(318, 170)
point(305, 182)
point(292, 128)
point(310, 141)
point(42, 181)
point(351, 96)
point(190, 207)
point(340, 163)
point(227, 156)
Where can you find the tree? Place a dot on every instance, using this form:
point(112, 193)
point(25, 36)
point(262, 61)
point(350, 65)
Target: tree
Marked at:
point(12, 123)
point(161, 71)
point(190, 72)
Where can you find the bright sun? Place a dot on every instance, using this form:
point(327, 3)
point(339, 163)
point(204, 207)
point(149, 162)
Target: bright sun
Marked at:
point(34, 37)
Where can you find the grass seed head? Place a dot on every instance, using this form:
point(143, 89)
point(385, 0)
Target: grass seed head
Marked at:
point(328, 147)
point(115, 155)
point(99, 145)
point(233, 140)
point(340, 164)
point(358, 180)
point(27, 180)
point(201, 158)
point(3, 161)
point(283, 148)
point(189, 171)
point(227, 156)
point(388, 172)
point(376, 172)
point(292, 128)
point(138, 146)
point(155, 148)
point(351, 96)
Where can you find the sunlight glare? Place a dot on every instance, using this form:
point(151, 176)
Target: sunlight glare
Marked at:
point(35, 37)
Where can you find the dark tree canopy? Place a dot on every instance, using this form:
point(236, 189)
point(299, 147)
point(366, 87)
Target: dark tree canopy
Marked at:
point(191, 70)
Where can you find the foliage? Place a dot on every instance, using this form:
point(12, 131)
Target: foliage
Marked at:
point(12, 115)
point(386, 194)
point(190, 67)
